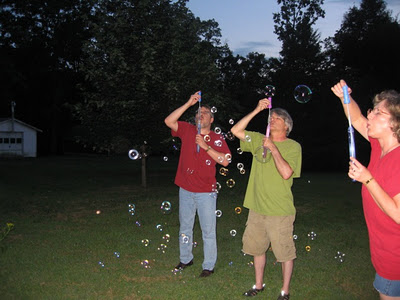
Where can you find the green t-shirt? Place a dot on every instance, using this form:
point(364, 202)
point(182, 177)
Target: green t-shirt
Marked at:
point(267, 192)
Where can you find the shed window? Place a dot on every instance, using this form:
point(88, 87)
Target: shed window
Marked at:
point(12, 140)
point(6, 140)
point(1, 140)
point(19, 140)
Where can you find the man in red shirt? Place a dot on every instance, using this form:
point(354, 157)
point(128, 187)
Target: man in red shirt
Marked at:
point(195, 177)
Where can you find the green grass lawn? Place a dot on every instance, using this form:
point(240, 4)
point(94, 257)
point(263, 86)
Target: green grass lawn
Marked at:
point(58, 240)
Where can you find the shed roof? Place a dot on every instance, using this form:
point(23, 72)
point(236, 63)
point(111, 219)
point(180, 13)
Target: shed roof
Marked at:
point(4, 120)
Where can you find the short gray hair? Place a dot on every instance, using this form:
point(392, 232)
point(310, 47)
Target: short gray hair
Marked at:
point(286, 118)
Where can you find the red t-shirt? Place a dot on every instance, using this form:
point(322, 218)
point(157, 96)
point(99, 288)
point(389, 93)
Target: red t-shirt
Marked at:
point(196, 171)
point(384, 233)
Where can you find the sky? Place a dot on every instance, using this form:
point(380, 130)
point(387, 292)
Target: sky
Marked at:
point(248, 26)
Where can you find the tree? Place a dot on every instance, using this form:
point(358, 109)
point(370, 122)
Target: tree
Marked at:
point(40, 44)
point(145, 58)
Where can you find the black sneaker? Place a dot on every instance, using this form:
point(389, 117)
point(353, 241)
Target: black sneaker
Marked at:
point(253, 291)
point(181, 266)
point(206, 273)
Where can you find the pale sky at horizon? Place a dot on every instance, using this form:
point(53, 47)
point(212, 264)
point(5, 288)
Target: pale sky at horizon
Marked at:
point(248, 26)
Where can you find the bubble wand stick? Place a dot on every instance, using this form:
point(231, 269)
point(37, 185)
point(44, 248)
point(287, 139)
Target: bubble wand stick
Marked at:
point(270, 91)
point(350, 130)
point(199, 121)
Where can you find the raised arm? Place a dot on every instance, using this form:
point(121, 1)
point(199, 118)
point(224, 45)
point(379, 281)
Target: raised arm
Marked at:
point(172, 120)
point(239, 128)
point(358, 121)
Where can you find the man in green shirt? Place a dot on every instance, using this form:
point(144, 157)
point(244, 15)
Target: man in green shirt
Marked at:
point(268, 196)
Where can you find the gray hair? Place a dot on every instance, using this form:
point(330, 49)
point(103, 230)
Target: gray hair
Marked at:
point(286, 118)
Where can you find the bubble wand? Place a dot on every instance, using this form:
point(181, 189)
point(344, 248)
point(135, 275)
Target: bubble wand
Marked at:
point(350, 130)
point(269, 92)
point(199, 121)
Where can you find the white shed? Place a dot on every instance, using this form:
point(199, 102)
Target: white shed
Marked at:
point(17, 138)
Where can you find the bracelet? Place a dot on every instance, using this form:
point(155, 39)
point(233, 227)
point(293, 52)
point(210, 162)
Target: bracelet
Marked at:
point(209, 147)
point(369, 180)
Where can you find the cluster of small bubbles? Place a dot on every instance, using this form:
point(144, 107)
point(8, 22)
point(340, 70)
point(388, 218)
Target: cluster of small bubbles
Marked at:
point(218, 213)
point(207, 138)
point(177, 271)
point(189, 171)
point(101, 264)
point(295, 237)
point(238, 210)
point(145, 242)
point(233, 232)
point(162, 248)
point(231, 121)
point(218, 143)
point(339, 257)
point(302, 93)
point(159, 227)
point(131, 209)
point(184, 238)
point(247, 138)
point(145, 264)
point(312, 235)
point(229, 135)
point(208, 162)
point(165, 158)
point(166, 237)
point(250, 264)
point(217, 130)
point(220, 159)
point(133, 154)
point(228, 157)
point(166, 207)
point(138, 224)
point(239, 150)
point(308, 248)
point(230, 183)
point(194, 244)
point(223, 171)
point(214, 109)
point(116, 254)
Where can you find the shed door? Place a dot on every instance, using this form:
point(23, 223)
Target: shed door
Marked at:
point(11, 142)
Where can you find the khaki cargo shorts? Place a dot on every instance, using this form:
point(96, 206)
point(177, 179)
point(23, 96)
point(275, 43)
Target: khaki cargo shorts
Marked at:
point(262, 231)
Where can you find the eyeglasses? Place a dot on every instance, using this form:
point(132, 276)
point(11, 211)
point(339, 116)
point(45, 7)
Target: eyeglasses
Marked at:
point(376, 111)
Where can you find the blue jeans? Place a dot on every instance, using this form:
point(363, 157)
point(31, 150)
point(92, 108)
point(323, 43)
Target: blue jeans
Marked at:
point(387, 287)
point(205, 205)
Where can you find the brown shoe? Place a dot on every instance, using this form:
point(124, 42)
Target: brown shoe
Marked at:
point(206, 273)
point(181, 266)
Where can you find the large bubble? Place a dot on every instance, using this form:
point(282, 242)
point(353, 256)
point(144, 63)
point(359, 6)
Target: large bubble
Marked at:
point(302, 93)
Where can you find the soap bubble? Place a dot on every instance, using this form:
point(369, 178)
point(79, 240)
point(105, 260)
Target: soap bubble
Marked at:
point(239, 150)
point(207, 138)
point(218, 143)
point(214, 109)
point(217, 130)
point(268, 91)
point(250, 264)
point(208, 162)
point(218, 213)
point(138, 223)
point(247, 138)
point(231, 121)
point(339, 257)
point(133, 154)
point(166, 237)
point(145, 242)
point(131, 209)
point(194, 244)
point(233, 232)
point(308, 248)
point(216, 187)
point(101, 264)
point(184, 238)
point(228, 157)
point(230, 183)
point(302, 93)
point(238, 210)
point(162, 248)
point(145, 264)
point(229, 135)
point(240, 166)
point(223, 171)
point(242, 171)
point(259, 155)
point(165, 158)
point(116, 254)
point(312, 235)
point(295, 237)
point(166, 207)
point(159, 227)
